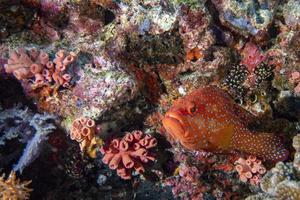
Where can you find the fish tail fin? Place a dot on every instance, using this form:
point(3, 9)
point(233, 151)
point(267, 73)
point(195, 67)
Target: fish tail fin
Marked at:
point(264, 145)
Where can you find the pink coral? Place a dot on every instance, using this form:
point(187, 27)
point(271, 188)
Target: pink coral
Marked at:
point(129, 153)
point(250, 169)
point(185, 189)
point(187, 184)
point(295, 79)
point(36, 65)
point(251, 57)
point(83, 131)
point(191, 174)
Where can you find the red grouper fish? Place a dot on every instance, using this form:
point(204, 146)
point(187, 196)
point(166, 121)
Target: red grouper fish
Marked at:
point(208, 119)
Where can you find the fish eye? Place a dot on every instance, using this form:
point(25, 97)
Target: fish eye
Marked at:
point(192, 108)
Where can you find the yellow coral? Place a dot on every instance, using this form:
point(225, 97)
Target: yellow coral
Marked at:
point(13, 189)
point(95, 144)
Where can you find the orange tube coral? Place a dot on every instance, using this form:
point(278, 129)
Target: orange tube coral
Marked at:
point(36, 68)
point(250, 170)
point(43, 58)
point(68, 60)
point(83, 131)
point(25, 64)
point(22, 73)
point(133, 150)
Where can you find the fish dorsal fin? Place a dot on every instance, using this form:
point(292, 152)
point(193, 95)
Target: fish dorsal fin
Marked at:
point(222, 137)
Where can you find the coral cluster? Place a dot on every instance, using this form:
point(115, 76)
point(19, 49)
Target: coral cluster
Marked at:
point(83, 131)
point(132, 60)
point(37, 65)
point(13, 188)
point(283, 181)
point(129, 153)
point(250, 169)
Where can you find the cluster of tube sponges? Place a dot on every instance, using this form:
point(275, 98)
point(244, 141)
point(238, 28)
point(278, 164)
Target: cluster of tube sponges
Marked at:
point(83, 131)
point(128, 154)
point(250, 169)
point(36, 65)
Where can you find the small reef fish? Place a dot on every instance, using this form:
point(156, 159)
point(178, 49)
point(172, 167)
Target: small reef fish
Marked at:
point(208, 119)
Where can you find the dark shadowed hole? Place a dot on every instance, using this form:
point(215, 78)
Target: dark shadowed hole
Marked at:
point(108, 17)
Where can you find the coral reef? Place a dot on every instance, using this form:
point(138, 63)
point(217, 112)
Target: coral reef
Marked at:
point(217, 83)
point(13, 188)
point(129, 153)
point(250, 169)
point(282, 181)
point(246, 18)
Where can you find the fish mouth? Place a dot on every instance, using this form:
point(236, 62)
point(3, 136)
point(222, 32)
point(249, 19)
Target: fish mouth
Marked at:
point(174, 125)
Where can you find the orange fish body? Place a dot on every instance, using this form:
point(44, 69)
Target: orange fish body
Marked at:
point(208, 119)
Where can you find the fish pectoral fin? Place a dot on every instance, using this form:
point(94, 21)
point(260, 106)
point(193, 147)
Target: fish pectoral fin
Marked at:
point(222, 137)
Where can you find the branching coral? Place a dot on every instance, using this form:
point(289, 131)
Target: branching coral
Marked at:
point(36, 65)
point(43, 125)
point(30, 128)
point(13, 188)
point(129, 153)
point(250, 169)
point(83, 131)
